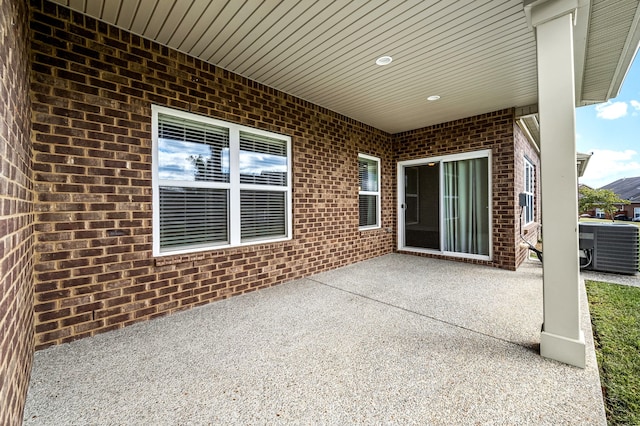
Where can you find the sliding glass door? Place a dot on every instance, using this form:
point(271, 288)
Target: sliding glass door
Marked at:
point(445, 205)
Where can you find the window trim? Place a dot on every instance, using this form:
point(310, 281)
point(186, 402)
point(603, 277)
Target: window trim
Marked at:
point(529, 210)
point(234, 186)
point(377, 193)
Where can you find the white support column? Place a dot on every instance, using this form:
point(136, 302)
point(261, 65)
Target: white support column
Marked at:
point(562, 338)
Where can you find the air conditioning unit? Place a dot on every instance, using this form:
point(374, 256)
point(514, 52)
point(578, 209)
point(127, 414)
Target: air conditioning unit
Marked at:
point(609, 247)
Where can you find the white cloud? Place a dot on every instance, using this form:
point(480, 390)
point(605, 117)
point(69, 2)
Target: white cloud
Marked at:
point(175, 158)
point(611, 110)
point(636, 105)
point(255, 163)
point(606, 166)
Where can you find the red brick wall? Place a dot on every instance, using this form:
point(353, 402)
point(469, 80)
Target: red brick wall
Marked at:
point(92, 90)
point(16, 213)
point(488, 131)
point(531, 231)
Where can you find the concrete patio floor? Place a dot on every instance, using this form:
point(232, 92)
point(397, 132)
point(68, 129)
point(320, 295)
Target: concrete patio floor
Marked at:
point(394, 340)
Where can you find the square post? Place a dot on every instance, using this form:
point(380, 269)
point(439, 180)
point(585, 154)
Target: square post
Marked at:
point(562, 338)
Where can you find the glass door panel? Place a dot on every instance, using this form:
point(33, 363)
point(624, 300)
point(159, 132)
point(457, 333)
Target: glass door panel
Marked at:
point(466, 206)
point(422, 206)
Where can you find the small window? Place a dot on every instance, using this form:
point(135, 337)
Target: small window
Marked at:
point(369, 191)
point(529, 190)
point(217, 184)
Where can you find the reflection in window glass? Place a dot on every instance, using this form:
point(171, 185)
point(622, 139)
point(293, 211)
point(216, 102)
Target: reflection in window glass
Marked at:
point(263, 160)
point(189, 151)
point(368, 174)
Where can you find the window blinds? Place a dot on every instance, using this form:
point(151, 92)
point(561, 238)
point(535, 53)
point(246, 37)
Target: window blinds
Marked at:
point(262, 214)
point(193, 216)
point(369, 193)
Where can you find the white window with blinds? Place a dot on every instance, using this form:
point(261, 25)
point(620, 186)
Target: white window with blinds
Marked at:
point(529, 188)
point(217, 184)
point(369, 191)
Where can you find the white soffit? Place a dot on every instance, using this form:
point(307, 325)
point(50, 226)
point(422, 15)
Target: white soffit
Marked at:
point(477, 55)
point(614, 33)
point(582, 160)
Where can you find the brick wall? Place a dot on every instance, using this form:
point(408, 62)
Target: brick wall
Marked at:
point(531, 231)
point(493, 131)
point(92, 90)
point(16, 213)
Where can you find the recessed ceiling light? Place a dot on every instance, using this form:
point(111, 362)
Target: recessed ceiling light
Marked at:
point(384, 60)
point(433, 98)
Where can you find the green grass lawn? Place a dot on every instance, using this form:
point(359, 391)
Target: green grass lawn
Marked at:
point(615, 315)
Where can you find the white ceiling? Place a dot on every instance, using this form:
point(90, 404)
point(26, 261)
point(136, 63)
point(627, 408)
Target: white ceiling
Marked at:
point(478, 55)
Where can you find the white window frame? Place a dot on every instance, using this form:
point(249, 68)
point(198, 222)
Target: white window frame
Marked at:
point(234, 186)
point(376, 193)
point(529, 190)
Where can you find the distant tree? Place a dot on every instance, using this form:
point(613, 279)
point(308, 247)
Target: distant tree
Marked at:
point(206, 168)
point(201, 165)
point(605, 199)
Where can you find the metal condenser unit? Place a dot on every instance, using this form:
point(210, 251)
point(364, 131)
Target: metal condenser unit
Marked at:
point(610, 247)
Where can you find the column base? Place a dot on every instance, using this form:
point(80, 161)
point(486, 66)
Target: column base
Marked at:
point(563, 349)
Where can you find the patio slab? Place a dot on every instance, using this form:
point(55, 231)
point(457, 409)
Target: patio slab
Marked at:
point(396, 340)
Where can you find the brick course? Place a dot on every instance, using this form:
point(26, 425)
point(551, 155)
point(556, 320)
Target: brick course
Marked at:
point(16, 213)
point(92, 88)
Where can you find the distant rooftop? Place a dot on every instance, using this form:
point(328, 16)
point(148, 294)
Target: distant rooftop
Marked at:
point(626, 188)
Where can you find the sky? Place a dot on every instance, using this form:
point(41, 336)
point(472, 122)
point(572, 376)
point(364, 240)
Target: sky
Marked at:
point(611, 131)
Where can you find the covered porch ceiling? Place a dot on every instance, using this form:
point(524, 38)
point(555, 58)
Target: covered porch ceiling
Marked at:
point(477, 55)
